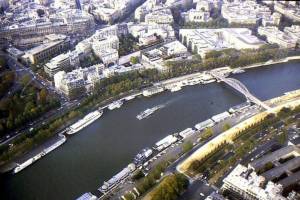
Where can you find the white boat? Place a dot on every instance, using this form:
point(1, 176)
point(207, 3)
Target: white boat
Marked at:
point(28, 162)
point(148, 112)
point(87, 120)
point(128, 98)
point(208, 81)
point(115, 104)
point(55, 145)
point(152, 91)
point(175, 89)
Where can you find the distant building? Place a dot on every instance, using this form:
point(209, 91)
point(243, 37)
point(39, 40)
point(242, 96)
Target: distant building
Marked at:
point(244, 12)
point(202, 41)
point(66, 22)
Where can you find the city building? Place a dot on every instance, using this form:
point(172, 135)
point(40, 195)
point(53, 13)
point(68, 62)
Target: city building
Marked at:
point(14, 52)
point(147, 7)
point(271, 20)
point(293, 31)
point(288, 9)
point(109, 11)
point(120, 69)
point(79, 81)
point(268, 177)
point(161, 16)
point(62, 62)
point(54, 45)
point(202, 41)
point(66, 22)
point(194, 15)
point(105, 43)
point(108, 56)
point(165, 31)
point(147, 39)
point(244, 12)
point(274, 35)
point(200, 14)
point(156, 57)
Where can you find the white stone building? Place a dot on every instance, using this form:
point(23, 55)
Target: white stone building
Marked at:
point(202, 41)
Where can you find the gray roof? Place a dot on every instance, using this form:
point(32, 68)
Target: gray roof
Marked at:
point(259, 163)
point(282, 168)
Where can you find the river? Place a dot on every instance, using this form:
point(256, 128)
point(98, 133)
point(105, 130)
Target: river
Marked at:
point(99, 151)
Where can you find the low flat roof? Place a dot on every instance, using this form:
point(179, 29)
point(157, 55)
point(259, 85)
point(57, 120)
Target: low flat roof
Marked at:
point(295, 178)
point(276, 155)
point(285, 167)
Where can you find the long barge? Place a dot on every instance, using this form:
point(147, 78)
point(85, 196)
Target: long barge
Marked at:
point(38, 156)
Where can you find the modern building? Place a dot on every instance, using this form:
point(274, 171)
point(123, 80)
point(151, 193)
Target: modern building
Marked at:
point(62, 62)
point(202, 41)
point(268, 177)
point(54, 45)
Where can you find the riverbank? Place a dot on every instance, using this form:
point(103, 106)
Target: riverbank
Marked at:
point(291, 99)
point(271, 62)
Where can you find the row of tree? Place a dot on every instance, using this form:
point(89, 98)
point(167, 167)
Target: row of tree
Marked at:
point(228, 57)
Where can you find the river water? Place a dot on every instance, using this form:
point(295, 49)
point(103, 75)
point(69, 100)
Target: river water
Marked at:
point(99, 151)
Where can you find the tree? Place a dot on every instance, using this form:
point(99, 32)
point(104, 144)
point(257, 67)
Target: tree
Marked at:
point(206, 134)
point(43, 96)
point(226, 127)
point(134, 59)
point(282, 138)
point(187, 146)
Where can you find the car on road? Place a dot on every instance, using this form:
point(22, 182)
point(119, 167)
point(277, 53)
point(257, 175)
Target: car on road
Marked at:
point(201, 194)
